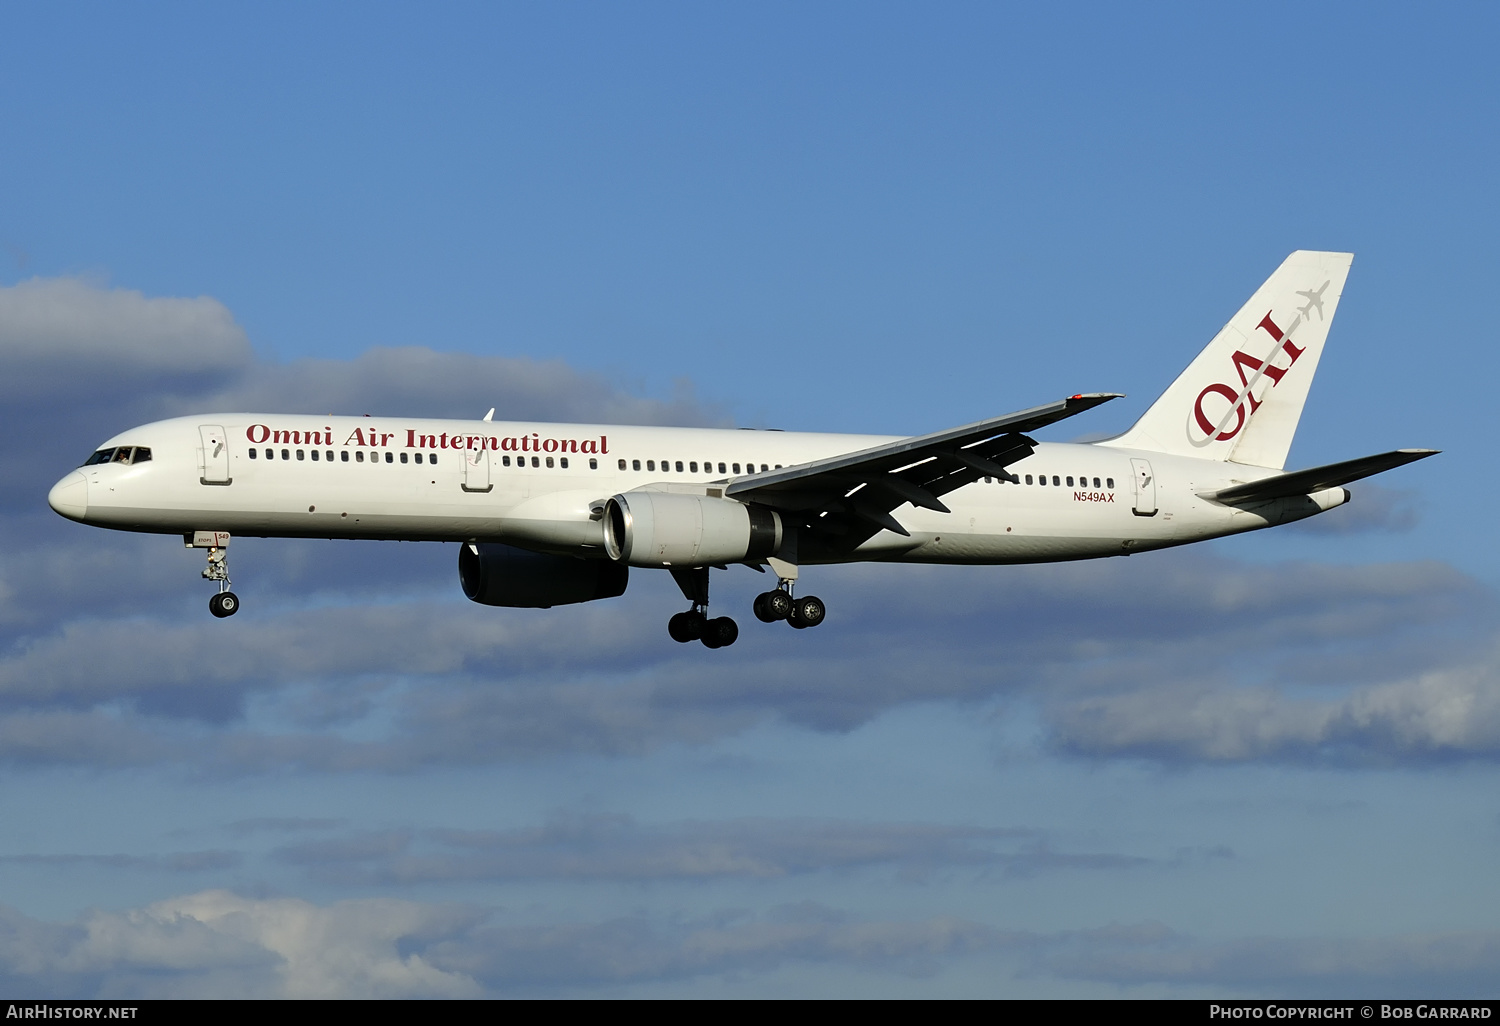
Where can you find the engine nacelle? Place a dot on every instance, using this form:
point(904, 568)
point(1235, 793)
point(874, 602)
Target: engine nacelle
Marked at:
point(671, 529)
point(503, 575)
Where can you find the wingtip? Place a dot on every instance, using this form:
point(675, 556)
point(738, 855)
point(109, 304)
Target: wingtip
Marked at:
point(1102, 397)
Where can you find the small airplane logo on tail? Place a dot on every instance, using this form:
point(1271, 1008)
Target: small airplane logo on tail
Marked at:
point(1314, 300)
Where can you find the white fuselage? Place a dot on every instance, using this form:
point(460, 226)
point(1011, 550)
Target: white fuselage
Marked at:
point(344, 477)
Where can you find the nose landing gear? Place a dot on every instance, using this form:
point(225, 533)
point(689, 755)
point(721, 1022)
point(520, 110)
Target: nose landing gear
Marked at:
point(224, 602)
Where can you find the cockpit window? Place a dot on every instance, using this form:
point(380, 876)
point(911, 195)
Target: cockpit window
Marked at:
point(123, 454)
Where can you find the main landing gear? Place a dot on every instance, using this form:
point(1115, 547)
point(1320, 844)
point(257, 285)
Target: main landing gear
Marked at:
point(695, 624)
point(721, 632)
point(224, 602)
point(801, 613)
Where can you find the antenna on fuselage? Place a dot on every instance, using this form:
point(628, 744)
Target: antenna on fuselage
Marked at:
point(489, 416)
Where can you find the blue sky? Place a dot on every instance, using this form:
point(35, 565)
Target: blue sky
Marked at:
point(1263, 766)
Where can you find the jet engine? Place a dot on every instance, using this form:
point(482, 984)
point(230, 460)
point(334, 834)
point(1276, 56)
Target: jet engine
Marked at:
point(503, 575)
point(658, 529)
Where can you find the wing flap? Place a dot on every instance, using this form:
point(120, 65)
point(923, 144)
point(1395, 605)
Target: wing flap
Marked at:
point(1314, 479)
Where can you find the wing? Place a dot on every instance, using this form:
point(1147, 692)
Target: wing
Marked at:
point(852, 496)
point(1304, 482)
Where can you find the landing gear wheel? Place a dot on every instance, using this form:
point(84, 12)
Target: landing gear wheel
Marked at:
point(226, 603)
point(685, 627)
point(720, 632)
point(807, 612)
point(772, 606)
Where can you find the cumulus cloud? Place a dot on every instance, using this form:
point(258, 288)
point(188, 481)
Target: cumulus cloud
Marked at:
point(218, 943)
point(56, 331)
point(612, 847)
point(1448, 713)
point(1179, 656)
point(221, 944)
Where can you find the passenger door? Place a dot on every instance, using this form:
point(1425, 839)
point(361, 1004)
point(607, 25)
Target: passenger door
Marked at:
point(1145, 488)
point(214, 456)
point(477, 470)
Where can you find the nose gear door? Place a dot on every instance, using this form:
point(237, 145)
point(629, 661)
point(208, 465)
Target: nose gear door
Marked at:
point(1145, 489)
point(214, 455)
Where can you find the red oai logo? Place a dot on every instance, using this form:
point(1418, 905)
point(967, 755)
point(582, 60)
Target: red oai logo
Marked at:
point(1239, 400)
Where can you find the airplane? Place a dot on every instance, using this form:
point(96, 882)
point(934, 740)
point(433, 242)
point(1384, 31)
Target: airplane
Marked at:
point(552, 514)
point(1314, 300)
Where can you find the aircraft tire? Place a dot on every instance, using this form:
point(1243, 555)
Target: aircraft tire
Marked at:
point(224, 604)
point(807, 612)
point(772, 606)
point(720, 633)
point(685, 627)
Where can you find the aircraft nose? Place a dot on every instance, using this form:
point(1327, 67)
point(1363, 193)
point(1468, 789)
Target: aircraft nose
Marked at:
point(70, 496)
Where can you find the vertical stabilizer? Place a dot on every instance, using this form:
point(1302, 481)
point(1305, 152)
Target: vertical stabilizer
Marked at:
point(1242, 397)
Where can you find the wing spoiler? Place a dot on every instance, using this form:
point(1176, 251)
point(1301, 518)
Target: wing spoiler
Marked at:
point(1314, 479)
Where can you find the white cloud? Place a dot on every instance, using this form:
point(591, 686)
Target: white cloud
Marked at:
point(52, 326)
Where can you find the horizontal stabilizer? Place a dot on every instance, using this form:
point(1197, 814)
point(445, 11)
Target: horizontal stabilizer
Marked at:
point(1315, 479)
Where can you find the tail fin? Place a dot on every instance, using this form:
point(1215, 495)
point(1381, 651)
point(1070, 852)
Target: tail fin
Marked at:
point(1241, 398)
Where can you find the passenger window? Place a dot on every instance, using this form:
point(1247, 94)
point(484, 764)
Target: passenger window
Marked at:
point(315, 454)
point(359, 455)
point(329, 455)
point(1109, 482)
point(622, 465)
point(693, 466)
point(286, 454)
point(593, 463)
point(535, 462)
point(432, 458)
point(299, 454)
point(254, 453)
point(1054, 481)
point(417, 457)
point(1096, 482)
point(549, 462)
point(778, 466)
point(344, 456)
point(1070, 480)
point(390, 457)
point(403, 457)
point(1028, 479)
point(636, 465)
point(736, 467)
point(989, 480)
point(721, 468)
point(679, 466)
